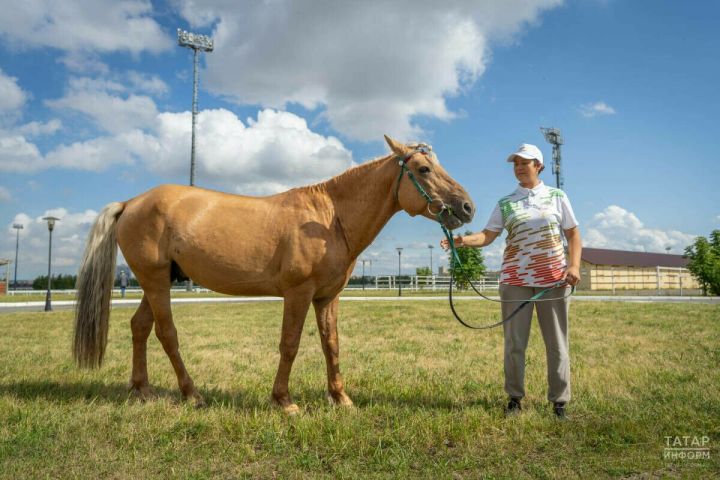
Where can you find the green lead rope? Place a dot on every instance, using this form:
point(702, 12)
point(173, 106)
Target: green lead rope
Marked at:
point(535, 298)
point(456, 258)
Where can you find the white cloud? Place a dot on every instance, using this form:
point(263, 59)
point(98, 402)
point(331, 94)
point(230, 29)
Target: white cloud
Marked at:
point(590, 110)
point(112, 113)
point(85, 26)
point(271, 154)
point(493, 254)
point(5, 195)
point(12, 96)
point(69, 238)
point(113, 103)
point(36, 129)
point(94, 84)
point(102, 152)
point(84, 62)
point(19, 155)
point(374, 65)
point(147, 83)
point(619, 229)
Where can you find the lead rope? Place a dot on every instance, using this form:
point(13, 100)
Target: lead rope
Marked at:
point(456, 258)
point(535, 298)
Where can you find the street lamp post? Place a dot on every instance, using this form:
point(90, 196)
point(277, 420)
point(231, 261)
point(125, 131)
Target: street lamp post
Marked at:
point(51, 225)
point(431, 255)
point(196, 42)
point(399, 250)
point(18, 227)
point(363, 270)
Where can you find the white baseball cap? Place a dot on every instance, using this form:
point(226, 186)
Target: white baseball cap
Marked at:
point(527, 151)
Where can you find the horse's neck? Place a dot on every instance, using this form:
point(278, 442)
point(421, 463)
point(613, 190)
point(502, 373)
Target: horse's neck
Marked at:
point(364, 201)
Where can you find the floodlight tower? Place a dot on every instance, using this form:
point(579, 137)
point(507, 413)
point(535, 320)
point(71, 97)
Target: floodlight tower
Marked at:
point(554, 137)
point(197, 43)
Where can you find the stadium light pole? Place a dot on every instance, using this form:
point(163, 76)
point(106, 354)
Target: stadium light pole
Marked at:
point(196, 42)
point(554, 138)
point(51, 225)
point(399, 250)
point(18, 227)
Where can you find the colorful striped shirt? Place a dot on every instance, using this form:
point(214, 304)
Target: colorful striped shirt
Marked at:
point(535, 220)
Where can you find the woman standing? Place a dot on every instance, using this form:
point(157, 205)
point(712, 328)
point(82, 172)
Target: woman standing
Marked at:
point(536, 217)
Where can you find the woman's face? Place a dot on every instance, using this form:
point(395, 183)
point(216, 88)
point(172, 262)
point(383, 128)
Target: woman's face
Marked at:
point(526, 171)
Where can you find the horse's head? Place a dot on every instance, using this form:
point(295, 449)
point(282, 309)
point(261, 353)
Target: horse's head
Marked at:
point(425, 188)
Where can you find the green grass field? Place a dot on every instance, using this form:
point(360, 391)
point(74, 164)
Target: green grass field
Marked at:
point(428, 397)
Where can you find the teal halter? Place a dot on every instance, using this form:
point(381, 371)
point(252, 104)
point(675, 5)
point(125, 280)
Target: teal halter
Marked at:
point(402, 161)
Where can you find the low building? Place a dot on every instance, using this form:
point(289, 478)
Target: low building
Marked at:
point(612, 270)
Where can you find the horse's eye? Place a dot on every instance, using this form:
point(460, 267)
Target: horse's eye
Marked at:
point(424, 170)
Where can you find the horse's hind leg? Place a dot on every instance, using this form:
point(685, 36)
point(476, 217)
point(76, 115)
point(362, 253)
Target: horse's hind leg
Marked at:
point(158, 295)
point(326, 313)
point(141, 324)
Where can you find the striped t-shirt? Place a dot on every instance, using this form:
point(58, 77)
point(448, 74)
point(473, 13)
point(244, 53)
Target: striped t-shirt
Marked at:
point(534, 218)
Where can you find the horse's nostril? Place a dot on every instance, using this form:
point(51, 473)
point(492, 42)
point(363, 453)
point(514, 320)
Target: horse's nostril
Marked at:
point(467, 207)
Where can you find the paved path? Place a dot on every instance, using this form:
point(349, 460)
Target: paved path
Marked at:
point(7, 307)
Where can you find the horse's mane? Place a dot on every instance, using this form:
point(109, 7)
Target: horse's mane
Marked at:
point(358, 170)
point(350, 174)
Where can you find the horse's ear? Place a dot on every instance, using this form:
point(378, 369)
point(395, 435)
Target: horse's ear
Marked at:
point(397, 147)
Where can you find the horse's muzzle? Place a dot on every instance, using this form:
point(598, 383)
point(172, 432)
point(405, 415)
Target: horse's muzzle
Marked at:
point(463, 209)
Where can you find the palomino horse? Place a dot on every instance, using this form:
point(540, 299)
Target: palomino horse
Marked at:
point(301, 244)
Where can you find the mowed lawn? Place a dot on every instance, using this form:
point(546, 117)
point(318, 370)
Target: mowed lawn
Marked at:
point(428, 396)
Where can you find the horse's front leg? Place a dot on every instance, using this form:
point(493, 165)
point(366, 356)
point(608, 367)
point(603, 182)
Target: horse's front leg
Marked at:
point(326, 312)
point(296, 305)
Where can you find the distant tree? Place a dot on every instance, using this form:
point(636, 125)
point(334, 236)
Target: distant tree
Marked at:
point(704, 262)
point(423, 271)
point(473, 265)
point(59, 282)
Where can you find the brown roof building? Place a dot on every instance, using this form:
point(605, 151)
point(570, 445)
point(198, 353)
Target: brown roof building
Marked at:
point(602, 256)
point(612, 270)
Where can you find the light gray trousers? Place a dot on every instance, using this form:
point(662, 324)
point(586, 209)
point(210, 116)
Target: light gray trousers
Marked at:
point(553, 320)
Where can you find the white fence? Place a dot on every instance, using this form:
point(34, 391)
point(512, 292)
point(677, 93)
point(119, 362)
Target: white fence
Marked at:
point(418, 283)
point(385, 282)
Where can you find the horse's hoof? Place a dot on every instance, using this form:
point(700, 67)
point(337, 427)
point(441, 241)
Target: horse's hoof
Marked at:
point(341, 399)
point(195, 399)
point(143, 393)
point(287, 406)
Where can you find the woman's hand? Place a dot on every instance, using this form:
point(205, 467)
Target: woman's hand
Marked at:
point(572, 275)
point(458, 242)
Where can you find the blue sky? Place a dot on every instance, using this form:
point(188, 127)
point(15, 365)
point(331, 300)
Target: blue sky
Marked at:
point(94, 108)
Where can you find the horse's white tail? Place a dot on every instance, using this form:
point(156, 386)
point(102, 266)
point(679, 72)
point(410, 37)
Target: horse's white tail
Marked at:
point(94, 289)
